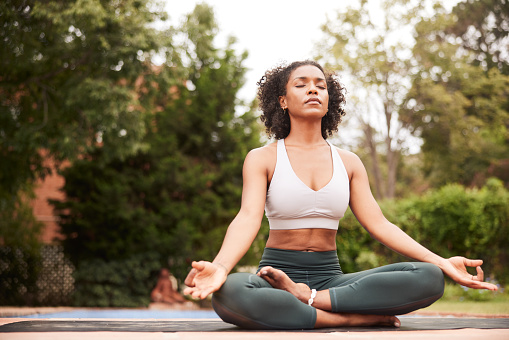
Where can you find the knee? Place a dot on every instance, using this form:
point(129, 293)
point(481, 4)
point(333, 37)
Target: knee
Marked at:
point(233, 286)
point(237, 283)
point(237, 288)
point(234, 304)
point(433, 279)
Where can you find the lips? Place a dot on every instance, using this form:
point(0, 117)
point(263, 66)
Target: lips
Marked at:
point(313, 100)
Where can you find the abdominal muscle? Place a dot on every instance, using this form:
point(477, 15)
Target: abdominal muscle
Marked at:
point(310, 239)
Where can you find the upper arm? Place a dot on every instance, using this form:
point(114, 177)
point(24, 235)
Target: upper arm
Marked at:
point(362, 202)
point(245, 225)
point(255, 181)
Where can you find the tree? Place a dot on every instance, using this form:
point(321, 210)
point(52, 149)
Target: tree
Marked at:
point(67, 72)
point(172, 201)
point(67, 84)
point(20, 257)
point(482, 26)
point(376, 61)
point(459, 108)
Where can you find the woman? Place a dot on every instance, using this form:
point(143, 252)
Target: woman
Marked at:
point(164, 290)
point(305, 185)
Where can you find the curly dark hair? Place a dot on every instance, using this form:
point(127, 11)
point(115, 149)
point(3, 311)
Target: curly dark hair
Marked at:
point(273, 85)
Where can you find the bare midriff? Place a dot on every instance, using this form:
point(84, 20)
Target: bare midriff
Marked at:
point(312, 239)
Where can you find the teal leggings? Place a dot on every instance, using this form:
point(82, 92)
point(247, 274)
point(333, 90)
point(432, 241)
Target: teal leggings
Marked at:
point(249, 301)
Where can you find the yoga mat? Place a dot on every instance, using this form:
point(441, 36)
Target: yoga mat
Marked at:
point(407, 324)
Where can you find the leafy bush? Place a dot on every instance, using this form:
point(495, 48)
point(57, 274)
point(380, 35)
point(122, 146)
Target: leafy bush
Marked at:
point(455, 220)
point(452, 220)
point(20, 258)
point(175, 198)
point(119, 283)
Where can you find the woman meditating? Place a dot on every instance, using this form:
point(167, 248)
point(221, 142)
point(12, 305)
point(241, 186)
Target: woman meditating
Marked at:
point(304, 184)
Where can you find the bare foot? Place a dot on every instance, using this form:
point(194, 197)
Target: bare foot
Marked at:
point(278, 279)
point(328, 319)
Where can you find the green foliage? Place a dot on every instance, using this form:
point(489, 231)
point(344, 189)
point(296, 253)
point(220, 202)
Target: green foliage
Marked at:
point(105, 207)
point(20, 259)
point(121, 283)
point(68, 71)
point(452, 220)
point(375, 56)
point(482, 24)
point(458, 103)
point(19, 267)
point(176, 197)
point(458, 221)
point(356, 248)
point(67, 80)
point(453, 73)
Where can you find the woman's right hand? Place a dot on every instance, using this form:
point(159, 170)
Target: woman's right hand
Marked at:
point(204, 279)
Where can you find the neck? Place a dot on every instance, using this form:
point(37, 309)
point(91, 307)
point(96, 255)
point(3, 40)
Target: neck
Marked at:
point(309, 134)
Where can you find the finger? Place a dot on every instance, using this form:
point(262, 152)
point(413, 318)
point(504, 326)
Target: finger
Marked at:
point(196, 293)
point(189, 281)
point(472, 263)
point(205, 293)
point(482, 285)
point(480, 273)
point(198, 265)
point(190, 291)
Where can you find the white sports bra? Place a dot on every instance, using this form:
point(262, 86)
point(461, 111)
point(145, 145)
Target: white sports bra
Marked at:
point(291, 204)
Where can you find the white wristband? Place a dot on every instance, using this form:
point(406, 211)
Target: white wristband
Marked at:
point(313, 295)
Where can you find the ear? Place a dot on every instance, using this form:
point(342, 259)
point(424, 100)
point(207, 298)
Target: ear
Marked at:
point(282, 101)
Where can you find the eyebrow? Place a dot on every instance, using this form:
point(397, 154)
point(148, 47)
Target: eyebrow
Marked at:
point(306, 78)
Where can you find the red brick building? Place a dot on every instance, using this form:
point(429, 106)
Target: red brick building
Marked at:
point(49, 188)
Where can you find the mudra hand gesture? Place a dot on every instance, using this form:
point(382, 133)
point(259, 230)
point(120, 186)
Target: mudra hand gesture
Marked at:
point(204, 279)
point(456, 268)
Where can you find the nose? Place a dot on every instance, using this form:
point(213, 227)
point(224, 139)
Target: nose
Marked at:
point(312, 88)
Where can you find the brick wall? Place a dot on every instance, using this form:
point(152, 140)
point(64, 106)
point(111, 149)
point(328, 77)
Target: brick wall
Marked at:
point(49, 188)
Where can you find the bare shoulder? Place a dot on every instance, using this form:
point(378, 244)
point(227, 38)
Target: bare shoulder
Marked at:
point(351, 161)
point(347, 155)
point(263, 157)
point(264, 151)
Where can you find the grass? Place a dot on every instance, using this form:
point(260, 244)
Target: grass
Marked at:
point(458, 299)
point(470, 307)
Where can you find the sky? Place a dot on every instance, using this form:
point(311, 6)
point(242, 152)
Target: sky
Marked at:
point(272, 31)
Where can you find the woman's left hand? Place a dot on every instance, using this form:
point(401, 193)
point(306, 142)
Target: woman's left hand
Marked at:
point(456, 268)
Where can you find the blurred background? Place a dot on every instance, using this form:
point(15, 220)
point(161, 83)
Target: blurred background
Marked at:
point(124, 125)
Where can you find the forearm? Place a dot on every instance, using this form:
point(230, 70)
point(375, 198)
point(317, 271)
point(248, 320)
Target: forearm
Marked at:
point(239, 237)
point(399, 241)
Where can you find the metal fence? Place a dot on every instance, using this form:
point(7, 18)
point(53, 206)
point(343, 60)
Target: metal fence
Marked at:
point(52, 285)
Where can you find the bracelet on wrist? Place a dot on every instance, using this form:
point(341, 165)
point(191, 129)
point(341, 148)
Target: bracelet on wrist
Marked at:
point(313, 295)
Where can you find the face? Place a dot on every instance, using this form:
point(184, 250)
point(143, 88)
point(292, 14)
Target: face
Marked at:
point(306, 92)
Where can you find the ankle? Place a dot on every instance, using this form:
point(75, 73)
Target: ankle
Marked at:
point(302, 292)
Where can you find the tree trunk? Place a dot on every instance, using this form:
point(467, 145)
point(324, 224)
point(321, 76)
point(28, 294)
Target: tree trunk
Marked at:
point(392, 152)
point(371, 144)
point(392, 167)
